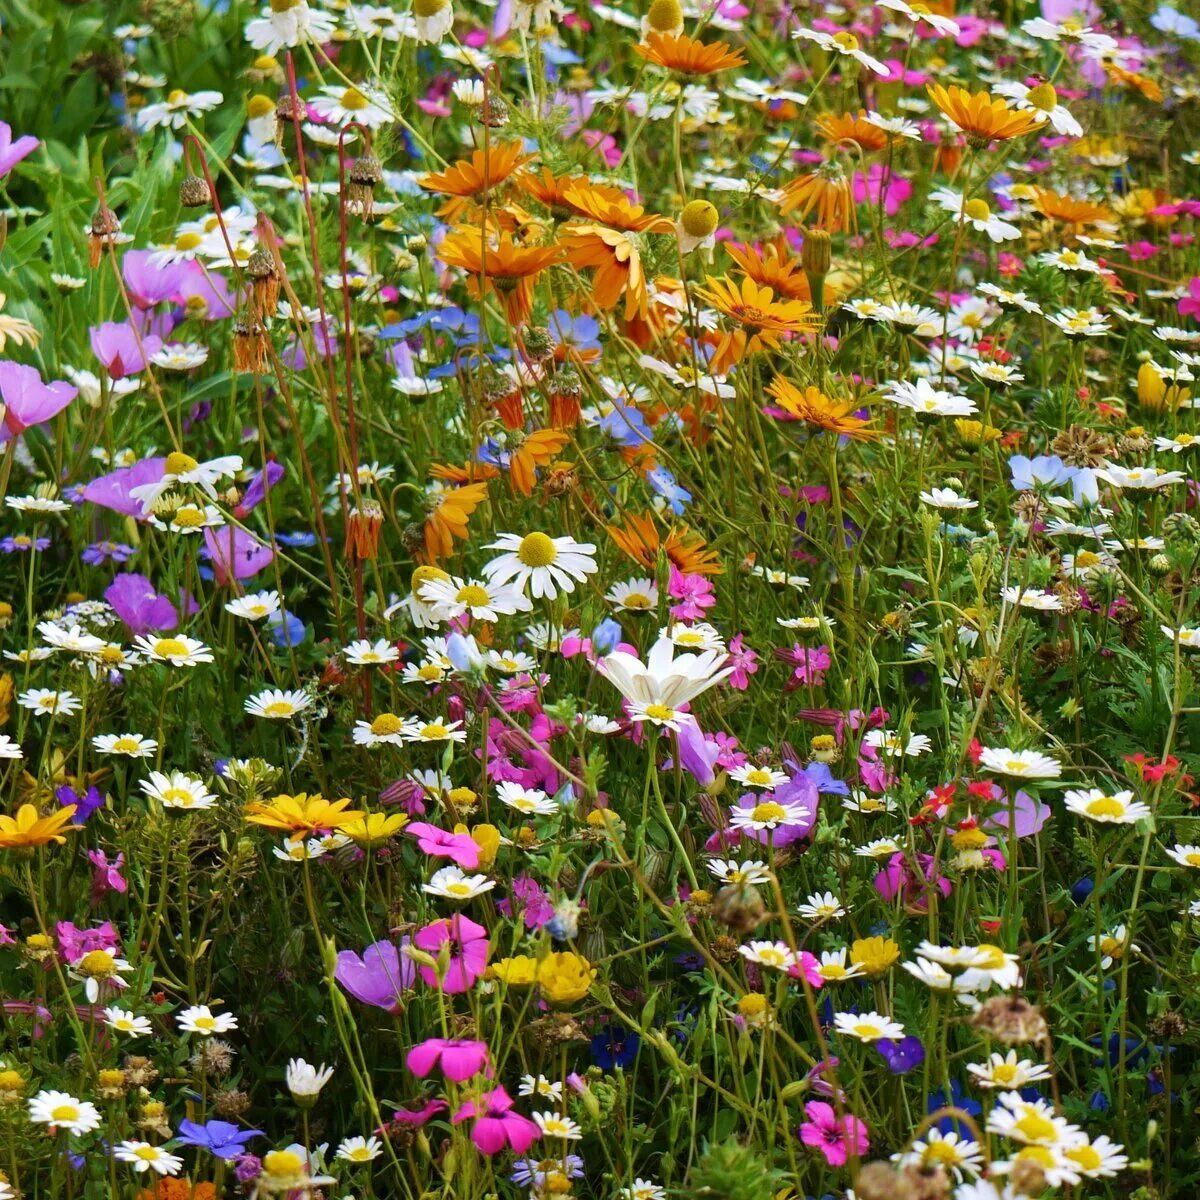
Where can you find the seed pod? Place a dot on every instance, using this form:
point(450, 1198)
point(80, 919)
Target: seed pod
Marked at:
point(264, 282)
point(739, 907)
point(362, 176)
point(104, 228)
point(194, 193)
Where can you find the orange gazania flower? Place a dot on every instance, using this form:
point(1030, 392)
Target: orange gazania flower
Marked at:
point(761, 320)
point(539, 449)
point(1070, 210)
point(815, 408)
point(448, 517)
point(983, 117)
point(825, 191)
point(302, 814)
point(501, 266)
point(470, 177)
point(640, 539)
point(471, 472)
point(618, 266)
point(687, 55)
point(848, 127)
point(773, 266)
point(605, 205)
point(549, 190)
point(1142, 84)
point(29, 829)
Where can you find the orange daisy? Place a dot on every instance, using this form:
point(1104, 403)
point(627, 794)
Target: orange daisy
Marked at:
point(773, 266)
point(618, 266)
point(825, 191)
point(641, 540)
point(688, 56)
point(470, 177)
point(539, 449)
point(502, 267)
point(848, 127)
point(609, 206)
point(1070, 210)
point(448, 518)
point(982, 117)
point(815, 408)
point(760, 319)
point(1141, 84)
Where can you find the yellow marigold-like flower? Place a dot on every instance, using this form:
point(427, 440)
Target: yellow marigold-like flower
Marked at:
point(825, 191)
point(28, 829)
point(975, 433)
point(759, 319)
point(372, 829)
point(302, 814)
point(876, 955)
point(815, 408)
point(518, 971)
point(565, 977)
point(1153, 393)
point(982, 116)
point(487, 838)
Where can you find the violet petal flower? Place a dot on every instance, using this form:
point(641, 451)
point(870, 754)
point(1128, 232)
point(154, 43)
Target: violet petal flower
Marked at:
point(12, 152)
point(27, 400)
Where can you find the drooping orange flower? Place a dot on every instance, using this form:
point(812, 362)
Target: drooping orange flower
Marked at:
point(471, 177)
point(499, 266)
point(759, 319)
point(447, 518)
point(982, 116)
point(815, 408)
point(688, 56)
point(29, 829)
point(604, 205)
point(618, 266)
point(471, 472)
point(641, 540)
point(825, 191)
point(1142, 84)
point(773, 266)
point(1070, 210)
point(849, 127)
point(538, 450)
point(301, 815)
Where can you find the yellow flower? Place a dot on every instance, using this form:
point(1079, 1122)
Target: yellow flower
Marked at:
point(875, 955)
point(373, 828)
point(28, 829)
point(975, 433)
point(519, 971)
point(1153, 393)
point(487, 838)
point(565, 977)
point(301, 814)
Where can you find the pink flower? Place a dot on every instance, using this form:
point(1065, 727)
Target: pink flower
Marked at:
point(419, 1116)
point(745, 663)
point(116, 345)
point(459, 1060)
point(27, 401)
point(894, 188)
point(695, 592)
point(1189, 306)
point(236, 554)
point(835, 1137)
point(12, 152)
point(496, 1125)
point(458, 847)
point(468, 947)
point(809, 967)
point(106, 876)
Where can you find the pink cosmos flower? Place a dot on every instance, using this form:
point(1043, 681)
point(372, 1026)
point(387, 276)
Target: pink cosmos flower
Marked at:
point(117, 346)
point(236, 554)
point(469, 950)
point(27, 400)
point(496, 1125)
point(459, 1060)
point(458, 847)
point(1189, 306)
point(836, 1138)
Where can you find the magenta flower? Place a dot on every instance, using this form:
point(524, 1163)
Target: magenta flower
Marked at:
point(895, 189)
point(106, 876)
point(836, 1137)
point(468, 948)
point(74, 943)
point(458, 847)
point(12, 152)
point(459, 1060)
point(1189, 306)
point(115, 489)
point(809, 967)
point(135, 601)
point(917, 885)
point(116, 345)
point(694, 592)
point(27, 400)
point(496, 1125)
point(380, 978)
point(745, 663)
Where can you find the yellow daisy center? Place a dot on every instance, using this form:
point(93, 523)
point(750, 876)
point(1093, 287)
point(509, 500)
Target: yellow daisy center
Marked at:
point(354, 100)
point(768, 811)
point(473, 596)
point(1036, 1128)
point(177, 462)
point(432, 732)
point(977, 210)
point(63, 1113)
point(1105, 806)
point(165, 647)
point(537, 550)
point(386, 724)
point(659, 712)
point(279, 708)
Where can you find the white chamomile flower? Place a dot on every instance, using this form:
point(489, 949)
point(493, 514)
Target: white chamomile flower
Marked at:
point(278, 704)
point(177, 790)
point(254, 606)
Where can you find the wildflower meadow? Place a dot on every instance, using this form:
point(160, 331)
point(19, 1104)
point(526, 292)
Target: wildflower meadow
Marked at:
point(599, 601)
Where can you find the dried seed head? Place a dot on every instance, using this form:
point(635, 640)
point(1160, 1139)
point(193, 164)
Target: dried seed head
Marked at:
point(739, 907)
point(194, 193)
point(1012, 1020)
point(362, 175)
point(494, 113)
point(881, 1181)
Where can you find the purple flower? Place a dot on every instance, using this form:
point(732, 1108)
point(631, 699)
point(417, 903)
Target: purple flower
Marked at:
point(901, 1055)
point(117, 345)
point(106, 876)
point(27, 400)
point(1030, 814)
point(12, 152)
point(528, 897)
point(115, 489)
point(220, 1138)
point(139, 605)
point(380, 977)
point(99, 553)
point(85, 803)
point(22, 543)
point(258, 487)
point(149, 285)
point(235, 553)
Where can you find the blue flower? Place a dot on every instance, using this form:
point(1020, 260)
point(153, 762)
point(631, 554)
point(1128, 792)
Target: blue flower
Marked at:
point(666, 486)
point(286, 628)
point(901, 1055)
point(580, 333)
point(220, 1138)
point(615, 1046)
point(1047, 470)
point(957, 1099)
